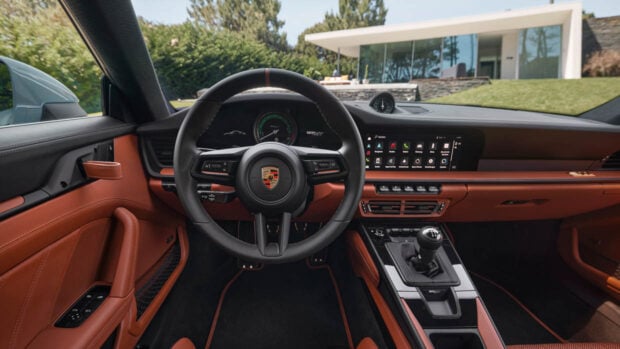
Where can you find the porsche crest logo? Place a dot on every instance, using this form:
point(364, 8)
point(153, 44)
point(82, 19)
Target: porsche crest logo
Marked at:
point(270, 175)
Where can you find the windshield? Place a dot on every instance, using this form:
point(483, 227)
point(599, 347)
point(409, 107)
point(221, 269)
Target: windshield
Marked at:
point(561, 58)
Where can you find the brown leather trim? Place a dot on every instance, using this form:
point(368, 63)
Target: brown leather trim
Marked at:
point(11, 203)
point(501, 202)
point(360, 258)
point(398, 337)
point(487, 330)
point(361, 270)
point(183, 343)
point(86, 210)
point(478, 176)
point(167, 171)
point(132, 328)
point(367, 343)
point(568, 246)
point(103, 169)
point(566, 346)
point(30, 231)
point(125, 275)
point(219, 309)
point(417, 326)
point(492, 176)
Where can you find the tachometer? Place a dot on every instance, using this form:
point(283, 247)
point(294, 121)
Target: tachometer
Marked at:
point(275, 127)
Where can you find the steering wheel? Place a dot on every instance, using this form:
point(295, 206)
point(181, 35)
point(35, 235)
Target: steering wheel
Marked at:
point(271, 179)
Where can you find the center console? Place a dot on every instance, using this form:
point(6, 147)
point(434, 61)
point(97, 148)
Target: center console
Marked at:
point(424, 271)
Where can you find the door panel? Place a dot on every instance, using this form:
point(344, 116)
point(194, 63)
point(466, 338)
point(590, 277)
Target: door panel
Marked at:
point(590, 244)
point(31, 151)
point(110, 232)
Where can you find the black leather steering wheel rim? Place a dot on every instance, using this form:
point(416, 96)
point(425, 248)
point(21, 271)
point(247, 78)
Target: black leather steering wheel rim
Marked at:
point(201, 115)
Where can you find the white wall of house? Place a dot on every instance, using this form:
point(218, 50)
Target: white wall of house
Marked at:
point(568, 15)
point(571, 46)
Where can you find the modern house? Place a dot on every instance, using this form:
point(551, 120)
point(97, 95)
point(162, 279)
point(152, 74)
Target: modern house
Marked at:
point(539, 42)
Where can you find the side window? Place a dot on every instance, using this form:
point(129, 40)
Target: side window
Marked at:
point(46, 71)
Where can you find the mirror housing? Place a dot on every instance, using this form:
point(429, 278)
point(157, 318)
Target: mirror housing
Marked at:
point(29, 95)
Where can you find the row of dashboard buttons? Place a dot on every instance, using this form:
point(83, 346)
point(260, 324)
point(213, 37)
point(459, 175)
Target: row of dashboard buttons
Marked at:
point(405, 161)
point(408, 188)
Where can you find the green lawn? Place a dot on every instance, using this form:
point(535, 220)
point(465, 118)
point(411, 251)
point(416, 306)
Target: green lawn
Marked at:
point(569, 97)
point(182, 103)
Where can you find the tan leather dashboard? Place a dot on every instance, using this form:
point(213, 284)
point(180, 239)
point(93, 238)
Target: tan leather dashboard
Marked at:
point(464, 196)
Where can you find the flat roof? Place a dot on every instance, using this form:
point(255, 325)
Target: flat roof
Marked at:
point(349, 41)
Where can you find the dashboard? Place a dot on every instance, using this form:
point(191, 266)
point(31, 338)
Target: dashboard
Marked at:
point(440, 162)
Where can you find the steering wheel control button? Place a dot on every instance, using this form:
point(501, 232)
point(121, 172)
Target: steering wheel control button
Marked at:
point(322, 166)
point(218, 166)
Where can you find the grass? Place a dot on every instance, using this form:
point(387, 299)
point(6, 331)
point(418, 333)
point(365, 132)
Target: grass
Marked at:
point(568, 97)
point(182, 103)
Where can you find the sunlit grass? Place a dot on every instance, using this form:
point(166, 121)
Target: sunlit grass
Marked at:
point(569, 97)
point(182, 103)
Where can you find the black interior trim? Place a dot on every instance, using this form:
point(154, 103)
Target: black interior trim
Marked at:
point(121, 52)
point(29, 152)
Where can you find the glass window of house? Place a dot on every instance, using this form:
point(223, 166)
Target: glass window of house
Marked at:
point(398, 62)
point(539, 52)
point(427, 58)
point(459, 56)
point(371, 62)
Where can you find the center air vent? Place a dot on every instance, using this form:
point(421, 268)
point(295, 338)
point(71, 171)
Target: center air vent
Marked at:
point(420, 207)
point(163, 149)
point(612, 162)
point(384, 207)
point(406, 208)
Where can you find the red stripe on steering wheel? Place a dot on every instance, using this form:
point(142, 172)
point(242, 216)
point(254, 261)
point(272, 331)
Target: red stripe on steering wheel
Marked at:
point(267, 77)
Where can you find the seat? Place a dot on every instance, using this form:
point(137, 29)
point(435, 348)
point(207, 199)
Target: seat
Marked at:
point(366, 343)
point(567, 346)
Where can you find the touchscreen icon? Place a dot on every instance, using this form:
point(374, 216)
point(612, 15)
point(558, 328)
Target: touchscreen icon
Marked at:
point(406, 146)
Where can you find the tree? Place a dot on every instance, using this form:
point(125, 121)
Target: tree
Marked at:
point(351, 14)
point(39, 33)
point(257, 19)
point(189, 57)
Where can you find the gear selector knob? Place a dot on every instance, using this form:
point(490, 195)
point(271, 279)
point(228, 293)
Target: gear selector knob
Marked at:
point(429, 240)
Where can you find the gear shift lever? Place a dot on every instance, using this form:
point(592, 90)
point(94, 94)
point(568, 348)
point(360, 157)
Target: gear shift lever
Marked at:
point(429, 239)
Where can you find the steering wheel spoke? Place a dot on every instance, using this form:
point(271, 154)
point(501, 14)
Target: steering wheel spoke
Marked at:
point(272, 249)
point(217, 166)
point(322, 165)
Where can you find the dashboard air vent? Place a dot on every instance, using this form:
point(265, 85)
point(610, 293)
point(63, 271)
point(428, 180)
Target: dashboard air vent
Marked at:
point(420, 207)
point(384, 207)
point(163, 149)
point(612, 162)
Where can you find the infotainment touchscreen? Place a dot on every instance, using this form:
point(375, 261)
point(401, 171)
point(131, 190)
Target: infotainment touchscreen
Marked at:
point(415, 152)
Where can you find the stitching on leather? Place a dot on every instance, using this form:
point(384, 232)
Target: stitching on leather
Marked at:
point(6, 245)
point(31, 289)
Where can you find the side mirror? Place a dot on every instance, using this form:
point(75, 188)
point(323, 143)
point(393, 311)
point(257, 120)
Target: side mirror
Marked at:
point(30, 95)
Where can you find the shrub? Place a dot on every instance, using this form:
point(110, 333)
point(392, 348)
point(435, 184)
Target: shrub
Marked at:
point(603, 63)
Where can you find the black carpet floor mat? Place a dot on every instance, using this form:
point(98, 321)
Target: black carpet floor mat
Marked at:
point(522, 258)
point(514, 324)
point(281, 306)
